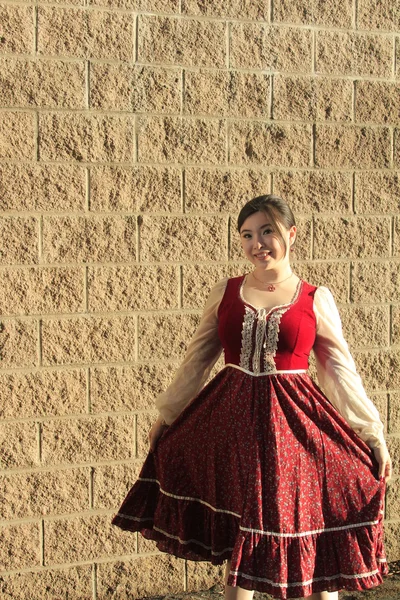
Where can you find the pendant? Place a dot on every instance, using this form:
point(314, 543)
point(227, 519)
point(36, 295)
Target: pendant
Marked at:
point(271, 287)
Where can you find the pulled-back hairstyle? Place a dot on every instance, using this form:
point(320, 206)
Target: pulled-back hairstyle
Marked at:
point(275, 208)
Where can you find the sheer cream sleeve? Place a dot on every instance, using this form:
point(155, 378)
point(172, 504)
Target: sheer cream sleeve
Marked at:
point(337, 374)
point(202, 354)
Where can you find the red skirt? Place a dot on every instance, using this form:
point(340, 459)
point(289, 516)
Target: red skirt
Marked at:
point(262, 470)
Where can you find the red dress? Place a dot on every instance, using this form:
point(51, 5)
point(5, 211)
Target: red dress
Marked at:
point(261, 469)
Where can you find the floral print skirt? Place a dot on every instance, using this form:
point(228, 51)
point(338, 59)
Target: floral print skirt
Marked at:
point(263, 471)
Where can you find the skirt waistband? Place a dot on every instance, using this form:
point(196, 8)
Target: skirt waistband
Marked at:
point(264, 373)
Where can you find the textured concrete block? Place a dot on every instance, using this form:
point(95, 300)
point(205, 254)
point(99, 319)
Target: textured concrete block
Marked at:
point(203, 576)
point(19, 446)
point(328, 13)
point(222, 93)
point(110, 86)
point(168, 6)
point(239, 9)
point(395, 337)
point(82, 33)
point(43, 393)
point(381, 14)
point(165, 337)
point(131, 388)
point(132, 288)
point(350, 237)
point(379, 370)
point(44, 493)
point(155, 89)
point(93, 239)
point(144, 576)
point(17, 29)
point(42, 187)
point(270, 144)
point(20, 546)
point(17, 135)
point(173, 139)
point(41, 290)
point(396, 237)
point(29, 83)
point(315, 191)
point(85, 439)
point(166, 238)
point(377, 102)
point(393, 499)
point(88, 339)
point(255, 46)
point(111, 483)
point(375, 282)
point(352, 146)
point(394, 413)
point(333, 275)
point(361, 54)
point(189, 42)
point(392, 541)
point(312, 98)
point(18, 343)
point(141, 189)
point(77, 137)
point(198, 280)
point(397, 147)
point(19, 240)
point(381, 402)
point(75, 582)
point(366, 326)
point(83, 539)
point(223, 190)
point(394, 449)
point(377, 192)
point(144, 423)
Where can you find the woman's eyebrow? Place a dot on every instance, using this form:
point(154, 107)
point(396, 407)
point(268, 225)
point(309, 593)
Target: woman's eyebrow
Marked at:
point(261, 227)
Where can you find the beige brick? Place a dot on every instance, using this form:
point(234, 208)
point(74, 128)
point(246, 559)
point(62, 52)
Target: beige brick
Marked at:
point(166, 238)
point(19, 240)
point(18, 343)
point(375, 282)
point(328, 13)
point(28, 83)
point(381, 401)
point(122, 389)
point(144, 423)
point(392, 541)
point(189, 42)
point(75, 582)
point(154, 189)
point(83, 538)
point(175, 139)
point(394, 449)
point(20, 546)
point(18, 445)
point(203, 576)
point(279, 48)
point(360, 54)
point(85, 439)
point(378, 14)
point(165, 337)
point(394, 412)
point(223, 190)
point(77, 137)
point(42, 187)
point(377, 192)
point(155, 89)
point(43, 393)
point(88, 339)
point(393, 499)
point(397, 55)
point(17, 135)
point(17, 29)
point(223, 93)
point(365, 326)
point(81, 33)
point(395, 337)
point(353, 146)
point(132, 288)
point(396, 237)
point(26, 495)
point(93, 239)
point(312, 98)
point(144, 576)
point(379, 370)
point(111, 483)
point(351, 237)
point(240, 9)
point(270, 144)
point(168, 6)
point(111, 86)
point(146, 546)
point(397, 147)
point(315, 191)
point(41, 290)
point(198, 280)
point(377, 102)
point(334, 275)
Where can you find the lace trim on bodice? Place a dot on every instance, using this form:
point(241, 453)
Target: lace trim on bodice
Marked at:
point(260, 334)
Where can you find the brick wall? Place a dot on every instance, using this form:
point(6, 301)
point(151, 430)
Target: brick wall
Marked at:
point(131, 133)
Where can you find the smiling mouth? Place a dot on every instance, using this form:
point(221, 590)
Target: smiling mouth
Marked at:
point(261, 254)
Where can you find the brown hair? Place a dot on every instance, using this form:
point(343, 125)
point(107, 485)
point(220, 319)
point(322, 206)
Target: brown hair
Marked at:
point(275, 208)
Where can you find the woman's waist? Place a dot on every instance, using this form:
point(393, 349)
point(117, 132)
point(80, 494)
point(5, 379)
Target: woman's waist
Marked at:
point(264, 373)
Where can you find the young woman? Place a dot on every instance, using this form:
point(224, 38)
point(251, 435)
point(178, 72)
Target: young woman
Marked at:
point(263, 468)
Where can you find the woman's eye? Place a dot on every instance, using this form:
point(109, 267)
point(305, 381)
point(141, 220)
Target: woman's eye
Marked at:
point(267, 231)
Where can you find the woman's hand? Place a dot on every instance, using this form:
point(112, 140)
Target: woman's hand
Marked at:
point(156, 431)
point(382, 455)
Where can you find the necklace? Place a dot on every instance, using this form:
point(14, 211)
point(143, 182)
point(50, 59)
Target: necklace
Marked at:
point(271, 285)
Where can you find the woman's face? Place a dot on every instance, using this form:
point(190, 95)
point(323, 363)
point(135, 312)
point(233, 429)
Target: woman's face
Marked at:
point(261, 244)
